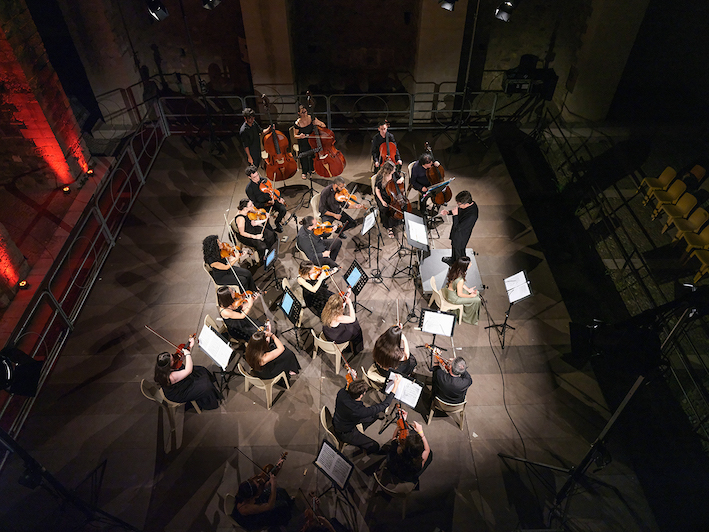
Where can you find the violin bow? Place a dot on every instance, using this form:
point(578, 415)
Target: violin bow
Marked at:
point(268, 215)
point(162, 337)
point(250, 460)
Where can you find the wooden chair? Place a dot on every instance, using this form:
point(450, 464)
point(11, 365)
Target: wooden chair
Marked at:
point(443, 304)
point(326, 422)
point(266, 385)
point(702, 256)
point(315, 206)
point(679, 211)
point(692, 224)
point(399, 490)
point(449, 409)
point(412, 194)
point(319, 342)
point(673, 194)
point(154, 392)
point(662, 182)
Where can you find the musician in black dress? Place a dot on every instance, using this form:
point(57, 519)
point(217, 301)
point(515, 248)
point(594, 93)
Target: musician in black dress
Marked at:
point(256, 234)
point(313, 281)
point(262, 200)
point(191, 383)
point(256, 508)
point(268, 357)
point(339, 327)
point(409, 457)
point(234, 311)
point(302, 130)
point(380, 138)
point(250, 134)
point(391, 353)
point(316, 248)
point(465, 214)
point(384, 200)
point(225, 270)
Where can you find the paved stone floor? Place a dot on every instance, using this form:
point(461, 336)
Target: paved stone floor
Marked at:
point(526, 400)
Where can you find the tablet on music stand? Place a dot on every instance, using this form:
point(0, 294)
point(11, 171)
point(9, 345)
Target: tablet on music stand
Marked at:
point(437, 322)
point(271, 257)
point(356, 278)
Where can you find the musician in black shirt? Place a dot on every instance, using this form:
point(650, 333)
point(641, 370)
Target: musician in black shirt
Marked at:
point(464, 217)
point(250, 134)
point(380, 138)
point(331, 209)
point(318, 250)
point(262, 200)
point(451, 386)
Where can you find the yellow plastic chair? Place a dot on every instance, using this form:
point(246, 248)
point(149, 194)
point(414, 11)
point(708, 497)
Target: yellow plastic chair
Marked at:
point(673, 194)
point(373, 378)
point(697, 241)
point(266, 385)
point(702, 256)
point(154, 392)
point(326, 422)
point(448, 408)
point(399, 490)
point(692, 224)
point(319, 342)
point(301, 254)
point(679, 211)
point(662, 182)
point(442, 302)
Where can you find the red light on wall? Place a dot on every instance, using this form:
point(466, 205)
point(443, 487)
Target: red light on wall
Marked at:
point(23, 284)
point(66, 190)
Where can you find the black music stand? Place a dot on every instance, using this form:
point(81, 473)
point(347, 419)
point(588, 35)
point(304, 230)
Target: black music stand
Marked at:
point(518, 288)
point(416, 237)
point(292, 308)
point(356, 278)
point(437, 322)
point(338, 470)
point(369, 222)
point(218, 349)
point(269, 263)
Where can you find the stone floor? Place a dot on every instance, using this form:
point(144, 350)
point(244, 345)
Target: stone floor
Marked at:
point(525, 400)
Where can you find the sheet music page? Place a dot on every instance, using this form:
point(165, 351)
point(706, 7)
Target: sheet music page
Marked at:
point(215, 346)
point(333, 465)
point(517, 287)
point(417, 232)
point(408, 391)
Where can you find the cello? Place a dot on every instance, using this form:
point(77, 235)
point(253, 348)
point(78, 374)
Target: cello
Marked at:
point(280, 164)
point(397, 195)
point(435, 175)
point(387, 150)
point(329, 161)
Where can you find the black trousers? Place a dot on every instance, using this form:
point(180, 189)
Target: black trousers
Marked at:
point(281, 210)
point(347, 220)
point(359, 439)
point(458, 251)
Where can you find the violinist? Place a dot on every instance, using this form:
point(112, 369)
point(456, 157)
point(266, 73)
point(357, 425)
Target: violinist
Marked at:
point(257, 508)
point(465, 214)
point(450, 384)
point(225, 269)
point(391, 353)
point(254, 233)
point(262, 200)
point(191, 383)
point(331, 209)
point(303, 129)
point(313, 281)
point(315, 247)
point(339, 327)
point(409, 454)
point(268, 357)
point(234, 310)
point(350, 411)
point(384, 200)
point(419, 180)
point(250, 134)
point(380, 138)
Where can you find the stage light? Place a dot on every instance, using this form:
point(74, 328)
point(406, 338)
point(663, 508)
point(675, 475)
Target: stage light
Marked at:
point(23, 284)
point(157, 10)
point(504, 11)
point(210, 4)
point(90, 171)
point(448, 6)
point(66, 190)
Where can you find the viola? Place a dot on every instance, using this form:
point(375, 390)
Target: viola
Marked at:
point(343, 195)
point(179, 355)
point(324, 228)
point(257, 214)
point(442, 362)
point(435, 175)
point(401, 424)
point(320, 269)
point(262, 478)
point(280, 165)
point(329, 161)
point(351, 374)
point(396, 192)
point(267, 188)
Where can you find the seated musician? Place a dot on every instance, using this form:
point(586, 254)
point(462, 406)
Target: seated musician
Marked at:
point(303, 128)
point(225, 270)
point(191, 383)
point(391, 353)
point(234, 311)
point(385, 202)
point(313, 281)
point(268, 357)
point(257, 508)
point(418, 179)
point(456, 293)
point(254, 233)
point(380, 138)
point(339, 327)
point(350, 411)
point(262, 200)
point(409, 457)
point(331, 209)
point(315, 247)
point(451, 385)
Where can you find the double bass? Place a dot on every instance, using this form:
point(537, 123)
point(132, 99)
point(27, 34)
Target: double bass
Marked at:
point(280, 165)
point(435, 175)
point(329, 161)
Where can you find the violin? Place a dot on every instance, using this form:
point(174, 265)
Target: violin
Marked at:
point(320, 269)
point(329, 161)
point(257, 214)
point(262, 478)
point(396, 192)
point(401, 424)
point(228, 250)
point(324, 228)
point(435, 175)
point(179, 354)
point(266, 187)
point(280, 165)
point(442, 362)
point(343, 195)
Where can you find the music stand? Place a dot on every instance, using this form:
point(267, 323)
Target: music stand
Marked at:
point(370, 221)
point(356, 278)
point(518, 288)
point(269, 263)
point(437, 322)
point(416, 237)
point(292, 308)
point(337, 468)
point(219, 350)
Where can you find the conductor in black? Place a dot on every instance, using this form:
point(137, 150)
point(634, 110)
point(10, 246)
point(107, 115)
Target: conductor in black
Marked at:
point(465, 214)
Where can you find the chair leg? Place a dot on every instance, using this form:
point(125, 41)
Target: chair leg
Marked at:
point(430, 416)
point(269, 396)
point(462, 419)
point(247, 385)
point(196, 408)
point(337, 363)
point(171, 417)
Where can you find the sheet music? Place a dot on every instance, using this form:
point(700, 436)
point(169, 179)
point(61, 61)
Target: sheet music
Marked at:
point(408, 391)
point(369, 222)
point(215, 346)
point(517, 287)
point(333, 465)
point(417, 232)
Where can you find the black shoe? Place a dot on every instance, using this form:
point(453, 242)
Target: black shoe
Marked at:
point(448, 260)
point(279, 228)
point(343, 236)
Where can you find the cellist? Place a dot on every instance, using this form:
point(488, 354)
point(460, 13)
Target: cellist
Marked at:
point(384, 200)
point(261, 200)
point(418, 178)
point(380, 138)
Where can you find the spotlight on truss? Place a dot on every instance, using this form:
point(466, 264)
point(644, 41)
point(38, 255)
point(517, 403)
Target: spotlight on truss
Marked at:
point(210, 4)
point(157, 9)
point(448, 6)
point(504, 11)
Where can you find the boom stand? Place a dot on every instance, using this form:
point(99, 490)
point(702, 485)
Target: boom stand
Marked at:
point(502, 329)
point(576, 473)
